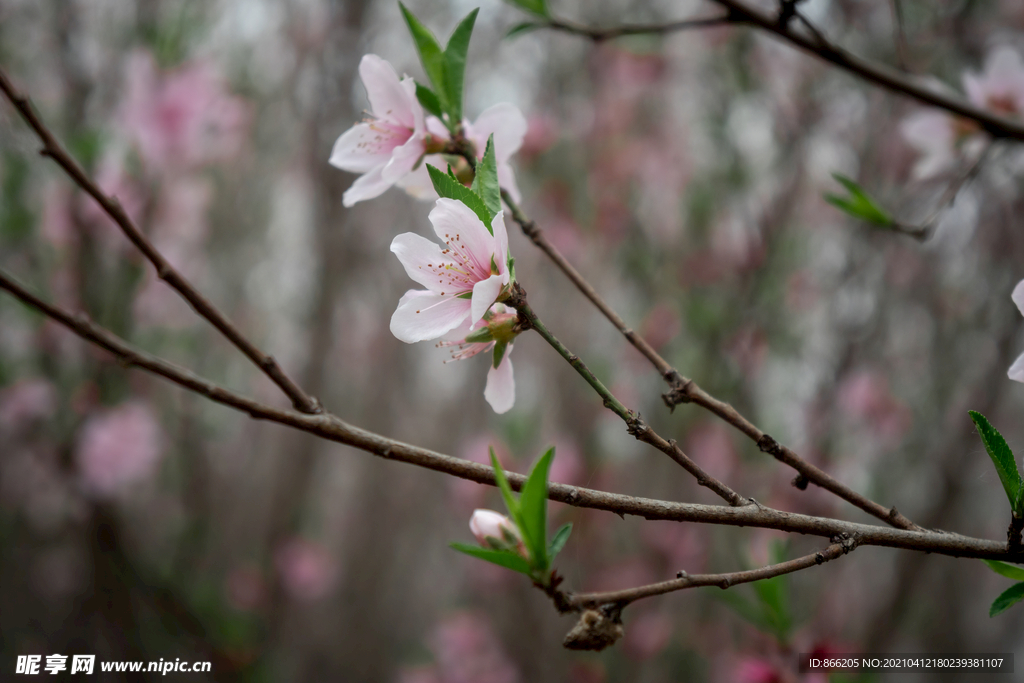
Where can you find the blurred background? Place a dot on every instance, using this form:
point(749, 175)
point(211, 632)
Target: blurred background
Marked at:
point(682, 175)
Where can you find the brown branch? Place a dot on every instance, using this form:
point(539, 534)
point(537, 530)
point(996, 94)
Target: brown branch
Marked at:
point(165, 271)
point(684, 390)
point(601, 34)
point(683, 581)
point(332, 428)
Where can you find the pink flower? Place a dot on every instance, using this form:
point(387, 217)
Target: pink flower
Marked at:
point(184, 118)
point(118, 448)
point(1016, 371)
point(27, 401)
point(468, 651)
point(386, 147)
point(307, 570)
point(1000, 87)
point(503, 120)
point(494, 332)
point(495, 530)
point(462, 281)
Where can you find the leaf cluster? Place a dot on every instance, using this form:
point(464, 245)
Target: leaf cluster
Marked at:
point(859, 204)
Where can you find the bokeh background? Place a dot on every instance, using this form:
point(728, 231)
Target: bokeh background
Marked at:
point(682, 175)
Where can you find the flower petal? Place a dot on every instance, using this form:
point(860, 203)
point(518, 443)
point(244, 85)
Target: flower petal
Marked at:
point(461, 229)
point(425, 315)
point(500, 245)
point(500, 391)
point(1018, 296)
point(420, 257)
point(389, 100)
point(506, 123)
point(484, 294)
point(1016, 371)
point(417, 183)
point(362, 148)
point(507, 180)
point(403, 159)
point(366, 186)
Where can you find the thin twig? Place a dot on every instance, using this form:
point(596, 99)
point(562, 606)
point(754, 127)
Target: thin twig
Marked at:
point(899, 35)
point(165, 271)
point(332, 428)
point(636, 426)
point(723, 581)
point(601, 34)
point(684, 390)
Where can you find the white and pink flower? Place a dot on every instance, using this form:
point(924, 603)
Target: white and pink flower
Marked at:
point(386, 147)
point(1016, 371)
point(462, 280)
point(495, 530)
point(492, 333)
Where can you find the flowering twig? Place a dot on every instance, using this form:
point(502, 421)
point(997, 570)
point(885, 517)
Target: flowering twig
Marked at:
point(723, 581)
point(684, 390)
point(165, 271)
point(636, 426)
point(332, 428)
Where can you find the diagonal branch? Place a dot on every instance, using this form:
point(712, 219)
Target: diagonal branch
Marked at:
point(332, 428)
point(601, 34)
point(166, 272)
point(684, 390)
point(723, 581)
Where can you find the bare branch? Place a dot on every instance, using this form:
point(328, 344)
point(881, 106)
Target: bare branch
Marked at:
point(53, 149)
point(601, 34)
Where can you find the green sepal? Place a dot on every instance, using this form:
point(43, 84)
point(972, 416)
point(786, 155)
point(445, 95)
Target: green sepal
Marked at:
point(858, 204)
point(485, 182)
point(538, 7)
point(1007, 599)
point(431, 55)
point(1004, 569)
point(464, 295)
point(1002, 458)
point(523, 28)
point(455, 63)
point(533, 507)
point(499, 353)
point(447, 186)
point(558, 541)
point(482, 335)
point(504, 558)
point(428, 99)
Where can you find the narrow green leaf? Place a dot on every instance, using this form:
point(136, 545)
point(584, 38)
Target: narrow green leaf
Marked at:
point(522, 28)
point(455, 63)
point(1008, 570)
point(485, 181)
point(506, 491)
point(428, 99)
point(431, 54)
point(1009, 597)
point(504, 558)
point(859, 204)
point(558, 541)
point(538, 7)
point(1002, 458)
point(447, 186)
point(533, 504)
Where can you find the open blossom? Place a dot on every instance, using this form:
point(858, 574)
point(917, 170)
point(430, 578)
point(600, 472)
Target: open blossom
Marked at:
point(386, 147)
point(1016, 371)
point(462, 280)
point(495, 530)
point(118, 448)
point(1000, 87)
point(503, 120)
point(493, 333)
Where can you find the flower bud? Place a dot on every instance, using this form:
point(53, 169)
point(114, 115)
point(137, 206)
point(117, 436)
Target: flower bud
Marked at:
point(495, 530)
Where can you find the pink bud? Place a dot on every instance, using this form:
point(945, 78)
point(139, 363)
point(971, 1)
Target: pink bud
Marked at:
point(495, 530)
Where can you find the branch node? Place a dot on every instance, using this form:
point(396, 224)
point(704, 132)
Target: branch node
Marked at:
point(767, 444)
point(801, 482)
point(682, 575)
point(819, 558)
point(680, 391)
point(636, 427)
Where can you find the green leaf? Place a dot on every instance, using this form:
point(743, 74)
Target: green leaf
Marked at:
point(522, 28)
point(1008, 570)
point(503, 558)
point(455, 63)
point(431, 54)
point(428, 99)
point(447, 186)
point(533, 505)
point(538, 7)
point(1009, 597)
point(558, 541)
point(485, 181)
point(1002, 458)
point(858, 204)
point(506, 491)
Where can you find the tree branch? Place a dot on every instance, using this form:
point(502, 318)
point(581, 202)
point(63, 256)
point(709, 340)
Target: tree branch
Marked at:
point(166, 272)
point(332, 428)
point(601, 34)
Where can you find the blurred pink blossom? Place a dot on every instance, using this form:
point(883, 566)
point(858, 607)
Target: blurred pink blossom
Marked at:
point(307, 570)
point(865, 395)
point(1000, 86)
point(755, 670)
point(541, 134)
point(245, 588)
point(118, 448)
point(711, 444)
point(1016, 371)
point(182, 118)
point(26, 401)
point(647, 634)
point(467, 651)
